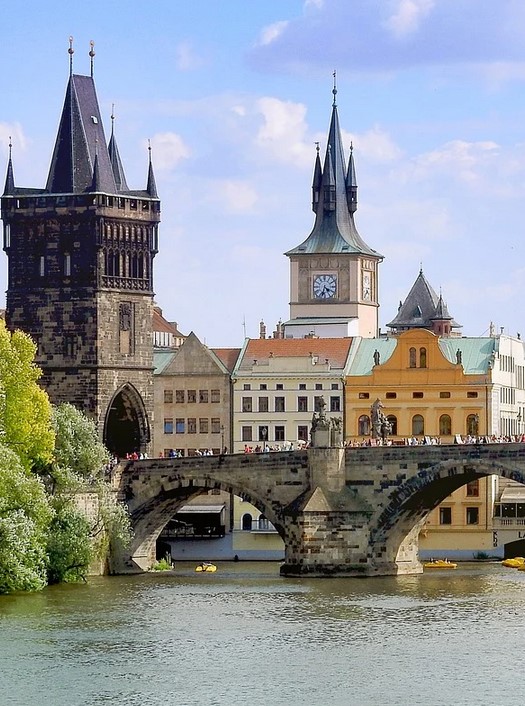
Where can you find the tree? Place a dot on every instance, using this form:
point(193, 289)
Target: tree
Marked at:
point(77, 445)
point(25, 516)
point(69, 545)
point(25, 410)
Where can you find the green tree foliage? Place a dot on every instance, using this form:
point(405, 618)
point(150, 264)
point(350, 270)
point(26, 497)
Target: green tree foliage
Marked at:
point(25, 516)
point(69, 546)
point(25, 410)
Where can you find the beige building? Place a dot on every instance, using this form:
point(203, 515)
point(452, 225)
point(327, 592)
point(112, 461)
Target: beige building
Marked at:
point(192, 399)
point(279, 383)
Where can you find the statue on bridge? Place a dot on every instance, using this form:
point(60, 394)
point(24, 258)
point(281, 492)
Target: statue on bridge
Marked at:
point(381, 427)
point(325, 432)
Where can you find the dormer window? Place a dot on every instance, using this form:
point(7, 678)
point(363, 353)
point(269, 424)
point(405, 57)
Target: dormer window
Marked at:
point(94, 120)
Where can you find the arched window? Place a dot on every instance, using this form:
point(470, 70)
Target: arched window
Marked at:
point(418, 425)
point(392, 420)
point(412, 357)
point(422, 357)
point(473, 424)
point(363, 425)
point(67, 265)
point(247, 522)
point(263, 522)
point(445, 425)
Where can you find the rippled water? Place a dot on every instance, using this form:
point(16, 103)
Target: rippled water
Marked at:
point(246, 636)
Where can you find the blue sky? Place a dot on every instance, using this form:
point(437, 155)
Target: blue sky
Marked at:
point(234, 94)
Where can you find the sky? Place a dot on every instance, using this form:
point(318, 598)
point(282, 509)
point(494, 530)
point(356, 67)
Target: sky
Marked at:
point(233, 96)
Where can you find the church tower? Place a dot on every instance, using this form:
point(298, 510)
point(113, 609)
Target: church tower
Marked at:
point(333, 273)
point(80, 273)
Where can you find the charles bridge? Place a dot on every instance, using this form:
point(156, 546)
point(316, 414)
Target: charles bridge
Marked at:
point(340, 511)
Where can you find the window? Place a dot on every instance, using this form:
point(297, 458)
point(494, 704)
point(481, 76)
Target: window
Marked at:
point(168, 396)
point(246, 404)
point(318, 403)
point(422, 357)
point(246, 387)
point(42, 266)
point(391, 395)
point(444, 395)
point(203, 396)
point(335, 404)
point(168, 425)
point(445, 515)
point(192, 425)
point(473, 489)
point(263, 433)
point(417, 395)
point(179, 396)
point(67, 265)
point(472, 395)
point(279, 386)
point(215, 396)
point(302, 404)
point(246, 433)
point(318, 386)
point(263, 386)
point(418, 425)
point(363, 425)
point(473, 424)
point(192, 396)
point(179, 426)
point(302, 433)
point(263, 404)
point(412, 358)
point(7, 235)
point(445, 425)
point(247, 522)
point(279, 404)
point(215, 425)
point(392, 420)
point(364, 395)
point(203, 426)
point(302, 386)
point(335, 386)
point(279, 433)
point(472, 515)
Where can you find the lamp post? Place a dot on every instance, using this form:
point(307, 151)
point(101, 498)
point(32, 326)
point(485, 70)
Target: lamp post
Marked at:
point(222, 438)
point(518, 419)
point(264, 436)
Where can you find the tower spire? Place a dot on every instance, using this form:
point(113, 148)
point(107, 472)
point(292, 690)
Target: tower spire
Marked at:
point(334, 89)
point(9, 180)
point(71, 51)
point(91, 55)
point(114, 157)
point(151, 187)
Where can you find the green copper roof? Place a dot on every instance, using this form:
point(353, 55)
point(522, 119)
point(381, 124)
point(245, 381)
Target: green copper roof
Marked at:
point(161, 359)
point(363, 359)
point(476, 353)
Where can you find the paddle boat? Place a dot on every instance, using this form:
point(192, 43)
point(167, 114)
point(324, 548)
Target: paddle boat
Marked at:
point(515, 563)
point(439, 564)
point(206, 566)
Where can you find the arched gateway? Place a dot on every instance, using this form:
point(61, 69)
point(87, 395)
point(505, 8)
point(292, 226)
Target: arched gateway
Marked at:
point(340, 512)
point(126, 427)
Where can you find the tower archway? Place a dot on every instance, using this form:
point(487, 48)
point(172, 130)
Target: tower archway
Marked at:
point(126, 427)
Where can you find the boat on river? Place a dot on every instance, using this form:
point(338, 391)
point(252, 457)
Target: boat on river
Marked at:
point(439, 564)
point(206, 566)
point(515, 563)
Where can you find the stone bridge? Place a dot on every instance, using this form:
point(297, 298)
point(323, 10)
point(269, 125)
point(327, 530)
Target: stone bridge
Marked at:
point(340, 512)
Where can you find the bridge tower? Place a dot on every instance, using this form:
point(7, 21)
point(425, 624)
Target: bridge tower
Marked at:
point(80, 272)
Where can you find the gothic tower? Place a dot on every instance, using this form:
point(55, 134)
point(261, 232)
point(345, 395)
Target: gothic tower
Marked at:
point(333, 273)
point(80, 273)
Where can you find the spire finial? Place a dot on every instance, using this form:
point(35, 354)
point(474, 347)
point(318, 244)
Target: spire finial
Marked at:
point(420, 268)
point(91, 54)
point(112, 118)
point(71, 51)
point(334, 89)
point(10, 145)
point(351, 146)
point(149, 149)
point(317, 147)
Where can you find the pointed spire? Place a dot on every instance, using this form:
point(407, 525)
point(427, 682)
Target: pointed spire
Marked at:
point(9, 179)
point(114, 157)
point(317, 180)
point(351, 182)
point(70, 51)
point(91, 55)
point(95, 184)
point(151, 188)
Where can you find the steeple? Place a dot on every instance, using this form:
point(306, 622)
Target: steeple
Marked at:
point(151, 187)
point(334, 200)
point(114, 156)
point(9, 179)
point(79, 132)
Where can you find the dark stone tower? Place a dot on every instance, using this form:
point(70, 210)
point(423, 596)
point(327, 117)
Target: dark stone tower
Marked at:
point(80, 273)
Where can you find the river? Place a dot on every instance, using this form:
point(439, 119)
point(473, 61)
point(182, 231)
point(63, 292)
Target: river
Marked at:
point(244, 635)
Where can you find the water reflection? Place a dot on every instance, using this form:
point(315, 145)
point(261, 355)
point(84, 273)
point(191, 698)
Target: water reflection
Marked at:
point(245, 634)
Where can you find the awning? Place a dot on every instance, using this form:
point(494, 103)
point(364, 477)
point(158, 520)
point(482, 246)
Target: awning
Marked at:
point(200, 509)
point(514, 494)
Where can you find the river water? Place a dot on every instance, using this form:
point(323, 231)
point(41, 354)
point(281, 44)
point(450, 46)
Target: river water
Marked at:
point(244, 635)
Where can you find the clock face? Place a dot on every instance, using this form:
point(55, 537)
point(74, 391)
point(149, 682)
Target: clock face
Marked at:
point(325, 286)
point(366, 285)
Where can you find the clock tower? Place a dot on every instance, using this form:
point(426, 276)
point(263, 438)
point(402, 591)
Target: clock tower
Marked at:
point(333, 273)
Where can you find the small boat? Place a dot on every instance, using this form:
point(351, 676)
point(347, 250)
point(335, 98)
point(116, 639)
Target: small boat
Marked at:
point(206, 566)
point(516, 563)
point(439, 564)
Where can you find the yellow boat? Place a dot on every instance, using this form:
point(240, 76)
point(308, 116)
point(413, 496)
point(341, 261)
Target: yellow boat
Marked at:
point(206, 566)
point(516, 563)
point(439, 564)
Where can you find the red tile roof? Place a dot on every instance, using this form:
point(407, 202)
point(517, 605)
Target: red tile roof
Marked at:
point(334, 349)
point(228, 356)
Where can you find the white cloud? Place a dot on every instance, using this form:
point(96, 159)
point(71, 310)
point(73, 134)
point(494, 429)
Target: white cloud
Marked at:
point(236, 196)
point(272, 32)
point(283, 132)
point(374, 145)
point(407, 16)
point(317, 4)
point(168, 150)
point(467, 161)
point(186, 58)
